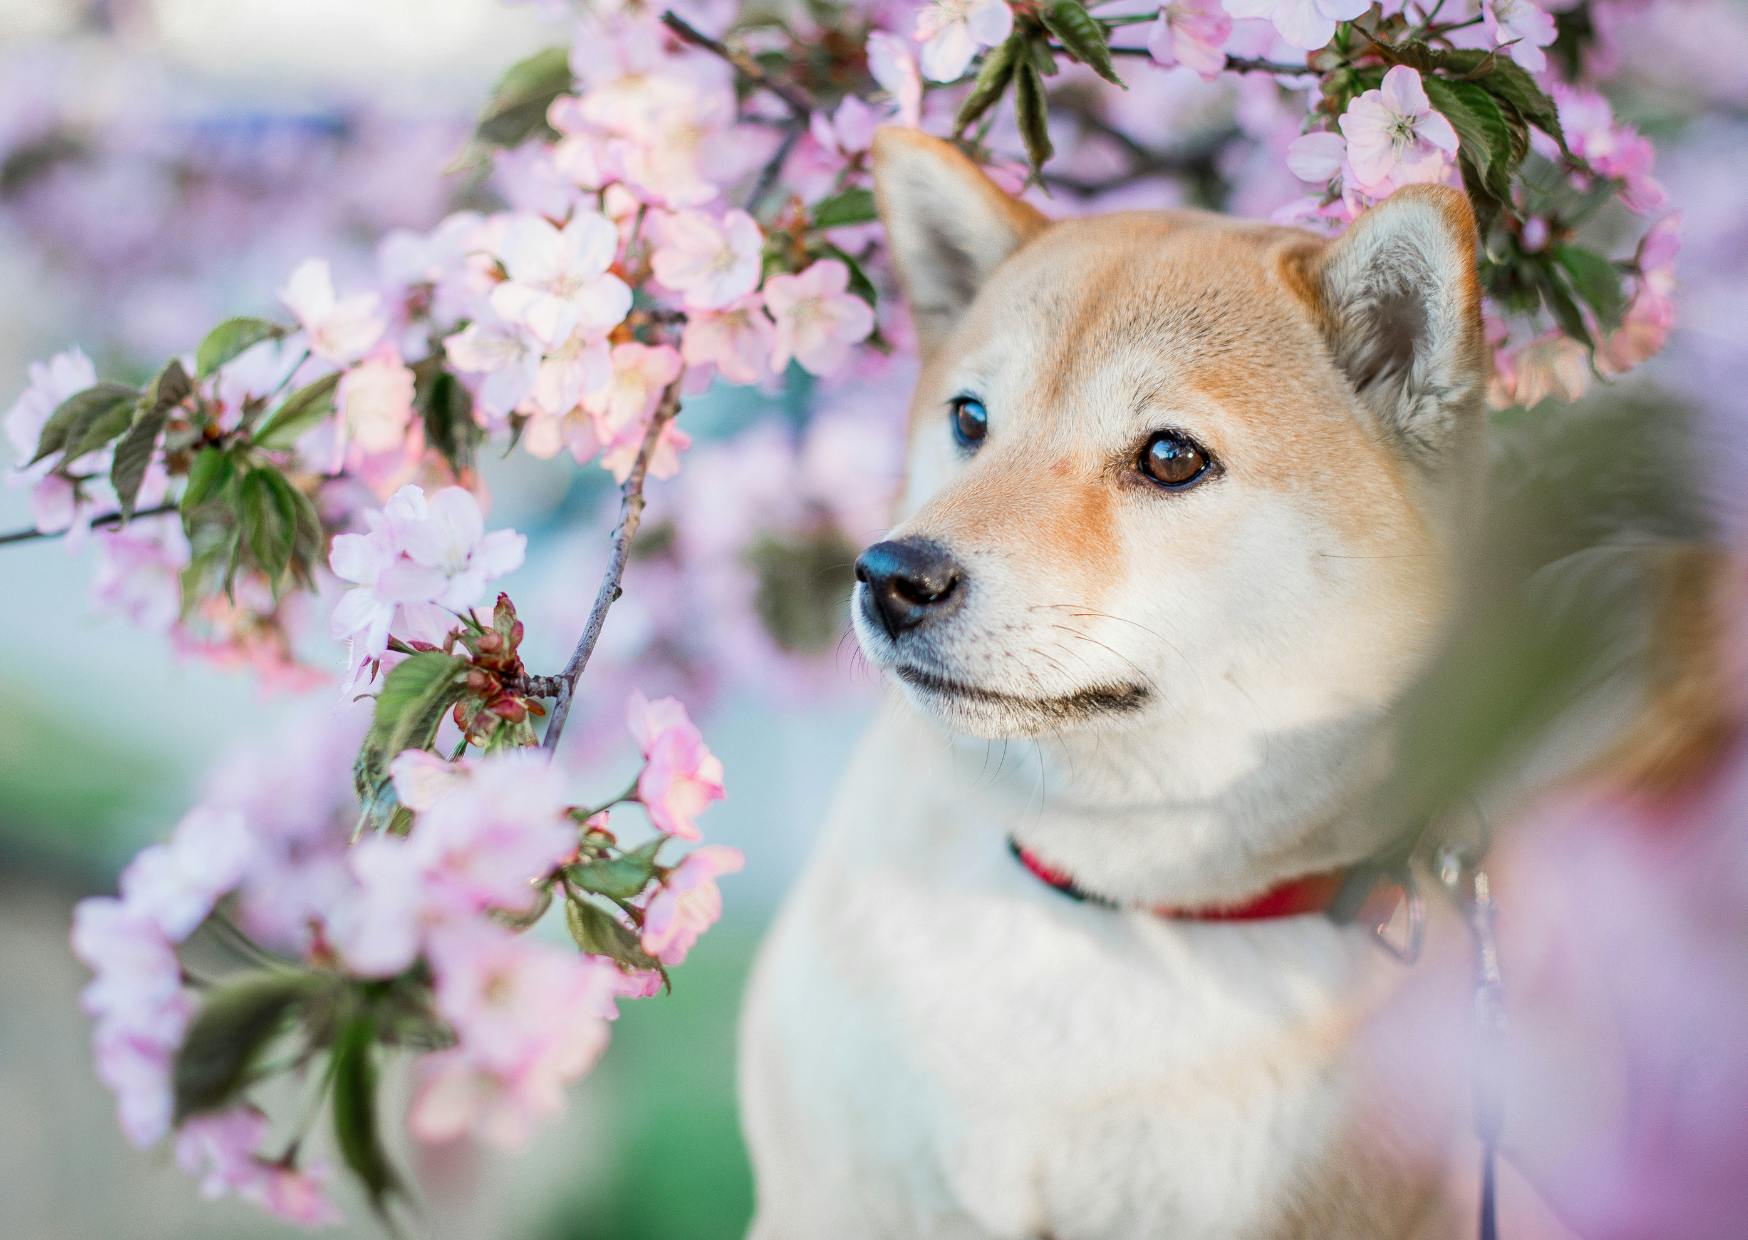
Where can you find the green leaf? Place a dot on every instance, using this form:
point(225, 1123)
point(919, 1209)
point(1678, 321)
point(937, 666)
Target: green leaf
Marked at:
point(1559, 301)
point(268, 512)
point(414, 696)
point(519, 103)
point(600, 933)
point(302, 410)
point(235, 1024)
point(1511, 82)
point(1082, 36)
point(170, 386)
point(69, 425)
point(1482, 132)
point(230, 339)
point(621, 877)
point(1033, 114)
point(853, 206)
point(209, 474)
point(992, 80)
point(1596, 281)
point(446, 407)
point(357, 1130)
point(133, 455)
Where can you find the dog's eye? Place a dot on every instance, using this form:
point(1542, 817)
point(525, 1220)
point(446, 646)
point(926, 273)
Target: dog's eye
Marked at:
point(1174, 460)
point(969, 419)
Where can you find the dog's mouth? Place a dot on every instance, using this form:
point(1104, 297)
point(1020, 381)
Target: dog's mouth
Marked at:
point(1120, 699)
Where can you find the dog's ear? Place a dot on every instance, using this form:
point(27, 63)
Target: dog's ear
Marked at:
point(1400, 305)
point(948, 224)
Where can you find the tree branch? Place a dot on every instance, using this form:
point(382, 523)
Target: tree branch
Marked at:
point(107, 519)
point(743, 64)
point(631, 504)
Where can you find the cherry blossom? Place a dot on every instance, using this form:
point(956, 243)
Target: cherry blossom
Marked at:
point(1394, 137)
point(895, 70)
point(1523, 25)
point(680, 777)
point(952, 31)
point(505, 354)
point(558, 279)
point(688, 902)
point(339, 330)
point(737, 340)
point(640, 374)
point(416, 554)
point(1306, 24)
point(375, 400)
point(51, 382)
point(711, 263)
point(1191, 33)
point(1317, 157)
point(817, 318)
point(174, 885)
point(530, 1018)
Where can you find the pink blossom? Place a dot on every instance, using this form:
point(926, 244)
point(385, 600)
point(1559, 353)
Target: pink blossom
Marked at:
point(296, 1194)
point(1191, 33)
point(339, 330)
point(219, 1149)
point(737, 340)
point(375, 401)
point(1651, 313)
point(1522, 24)
point(664, 459)
point(817, 319)
point(640, 374)
point(895, 70)
point(953, 31)
point(848, 132)
point(139, 572)
point(54, 500)
point(139, 1009)
point(378, 927)
point(688, 902)
point(174, 885)
point(680, 777)
point(529, 1018)
point(1612, 149)
point(558, 279)
point(415, 553)
point(711, 263)
point(1394, 137)
point(422, 779)
point(1316, 157)
point(576, 368)
point(483, 845)
point(508, 357)
point(1306, 24)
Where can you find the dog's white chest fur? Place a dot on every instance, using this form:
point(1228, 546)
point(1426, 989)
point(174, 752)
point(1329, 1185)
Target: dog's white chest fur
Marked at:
point(938, 1044)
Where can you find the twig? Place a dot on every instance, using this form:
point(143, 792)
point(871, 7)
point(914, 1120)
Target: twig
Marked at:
point(107, 519)
point(743, 64)
point(1255, 64)
point(631, 503)
point(774, 165)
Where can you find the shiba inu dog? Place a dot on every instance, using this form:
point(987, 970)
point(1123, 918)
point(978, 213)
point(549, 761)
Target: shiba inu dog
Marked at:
point(1187, 498)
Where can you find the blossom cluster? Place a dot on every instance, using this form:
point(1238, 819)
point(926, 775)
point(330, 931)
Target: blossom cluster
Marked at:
point(417, 934)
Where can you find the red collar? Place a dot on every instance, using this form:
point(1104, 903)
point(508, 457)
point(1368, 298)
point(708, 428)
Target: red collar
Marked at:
point(1366, 895)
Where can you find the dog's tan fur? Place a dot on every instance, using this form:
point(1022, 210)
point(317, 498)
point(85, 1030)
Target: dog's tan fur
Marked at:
point(936, 1044)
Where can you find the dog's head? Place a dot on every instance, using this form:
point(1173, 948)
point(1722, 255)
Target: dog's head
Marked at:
point(1166, 468)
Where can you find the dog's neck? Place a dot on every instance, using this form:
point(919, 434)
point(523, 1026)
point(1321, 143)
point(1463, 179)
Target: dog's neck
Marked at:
point(1193, 812)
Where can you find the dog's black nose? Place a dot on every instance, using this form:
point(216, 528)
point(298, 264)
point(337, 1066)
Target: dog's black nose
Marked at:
point(909, 580)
